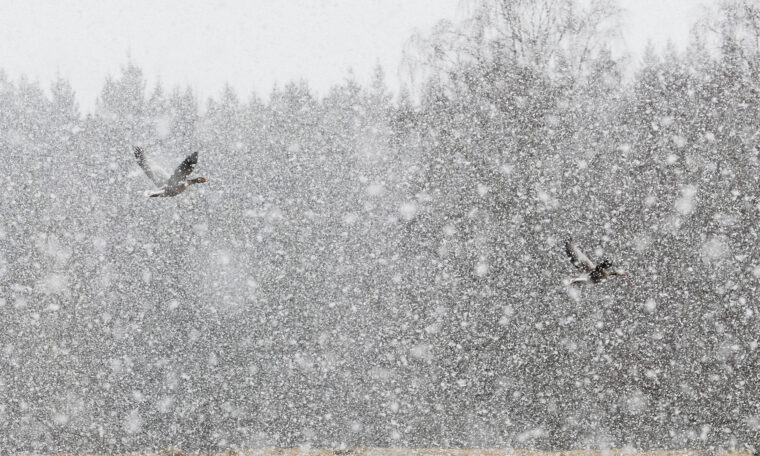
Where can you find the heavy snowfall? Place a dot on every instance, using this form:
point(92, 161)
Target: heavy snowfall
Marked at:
point(368, 268)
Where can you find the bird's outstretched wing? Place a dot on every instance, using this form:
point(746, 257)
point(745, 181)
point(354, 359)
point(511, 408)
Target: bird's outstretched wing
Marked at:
point(154, 173)
point(578, 258)
point(183, 170)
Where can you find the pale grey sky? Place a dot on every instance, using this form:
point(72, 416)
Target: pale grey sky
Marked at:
point(250, 44)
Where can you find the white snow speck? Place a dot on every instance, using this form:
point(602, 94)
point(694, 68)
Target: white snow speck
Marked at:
point(375, 189)
point(54, 283)
point(685, 204)
point(408, 210)
point(165, 404)
point(133, 422)
point(163, 126)
point(350, 218)
point(422, 351)
point(481, 269)
point(715, 249)
point(100, 244)
point(200, 228)
point(637, 402)
point(294, 147)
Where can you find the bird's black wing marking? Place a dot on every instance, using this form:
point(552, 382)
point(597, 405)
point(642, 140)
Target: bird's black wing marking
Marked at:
point(183, 170)
point(158, 176)
point(578, 258)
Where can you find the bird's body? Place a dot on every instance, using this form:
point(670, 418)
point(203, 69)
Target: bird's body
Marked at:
point(171, 191)
point(169, 185)
point(592, 273)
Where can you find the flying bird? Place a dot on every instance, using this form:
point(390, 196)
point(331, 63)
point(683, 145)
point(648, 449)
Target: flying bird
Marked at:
point(169, 185)
point(594, 273)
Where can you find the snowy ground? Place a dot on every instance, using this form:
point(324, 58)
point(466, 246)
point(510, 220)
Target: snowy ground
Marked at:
point(368, 451)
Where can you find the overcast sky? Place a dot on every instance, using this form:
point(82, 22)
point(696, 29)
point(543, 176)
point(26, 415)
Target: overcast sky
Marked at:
point(250, 44)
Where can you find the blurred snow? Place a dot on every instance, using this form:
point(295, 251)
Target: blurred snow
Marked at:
point(368, 267)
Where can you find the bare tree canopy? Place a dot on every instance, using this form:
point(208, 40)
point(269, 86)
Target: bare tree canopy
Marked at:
point(555, 37)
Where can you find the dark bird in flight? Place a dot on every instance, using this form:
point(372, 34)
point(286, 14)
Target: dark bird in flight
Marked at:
point(594, 273)
point(169, 185)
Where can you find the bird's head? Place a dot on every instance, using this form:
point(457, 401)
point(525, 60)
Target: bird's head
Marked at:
point(198, 180)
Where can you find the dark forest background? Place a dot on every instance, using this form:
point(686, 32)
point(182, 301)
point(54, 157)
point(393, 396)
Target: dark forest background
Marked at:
point(365, 268)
